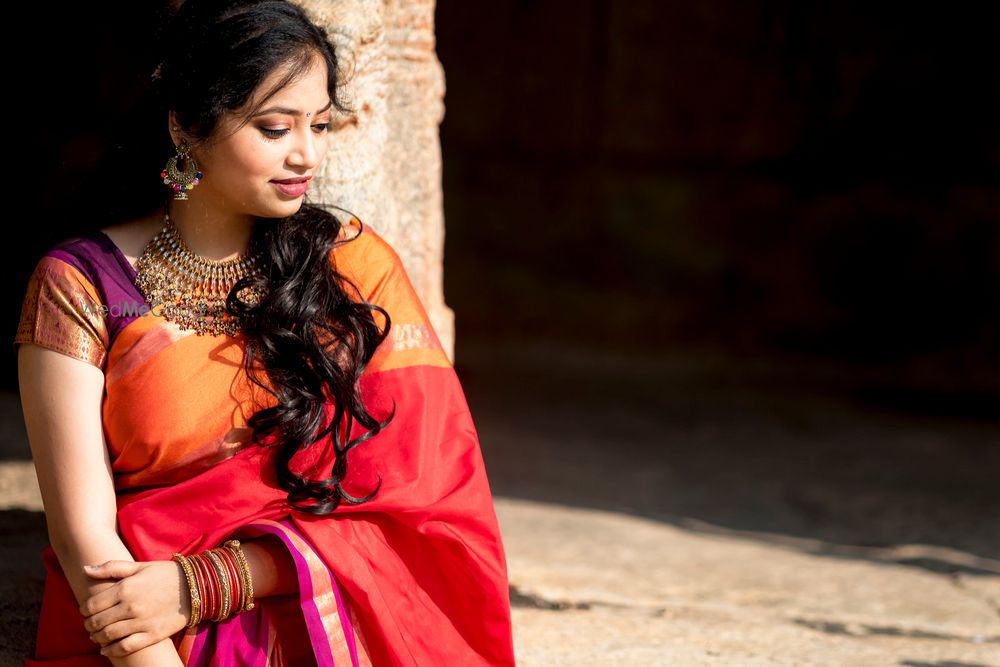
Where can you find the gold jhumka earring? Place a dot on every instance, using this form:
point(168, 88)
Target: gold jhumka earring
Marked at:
point(181, 173)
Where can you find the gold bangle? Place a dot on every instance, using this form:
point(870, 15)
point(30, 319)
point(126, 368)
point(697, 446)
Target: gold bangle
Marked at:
point(234, 546)
point(226, 555)
point(220, 570)
point(192, 589)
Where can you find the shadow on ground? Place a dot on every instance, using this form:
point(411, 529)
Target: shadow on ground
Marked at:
point(789, 453)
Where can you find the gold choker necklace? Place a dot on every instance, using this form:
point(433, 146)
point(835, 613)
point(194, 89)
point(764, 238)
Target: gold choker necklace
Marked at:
point(192, 288)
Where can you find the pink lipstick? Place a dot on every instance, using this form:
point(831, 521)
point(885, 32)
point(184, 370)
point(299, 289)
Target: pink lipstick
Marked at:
point(293, 187)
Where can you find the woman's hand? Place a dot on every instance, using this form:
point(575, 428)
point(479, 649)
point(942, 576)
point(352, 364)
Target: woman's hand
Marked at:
point(149, 602)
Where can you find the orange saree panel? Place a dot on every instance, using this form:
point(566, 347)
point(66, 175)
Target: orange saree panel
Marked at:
point(417, 576)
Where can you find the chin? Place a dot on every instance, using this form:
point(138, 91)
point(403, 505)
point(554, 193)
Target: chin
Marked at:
point(284, 209)
point(292, 207)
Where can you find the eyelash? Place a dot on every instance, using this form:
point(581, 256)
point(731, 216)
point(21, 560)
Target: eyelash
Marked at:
point(274, 135)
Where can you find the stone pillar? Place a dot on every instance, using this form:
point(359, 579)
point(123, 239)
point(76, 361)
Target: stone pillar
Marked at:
point(384, 163)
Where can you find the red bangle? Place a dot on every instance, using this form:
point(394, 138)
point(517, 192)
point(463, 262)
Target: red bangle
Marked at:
point(210, 588)
point(202, 587)
point(213, 578)
point(222, 579)
point(197, 581)
point(236, 583)
point(206, 581)
point(237, 572)
point(238, 577)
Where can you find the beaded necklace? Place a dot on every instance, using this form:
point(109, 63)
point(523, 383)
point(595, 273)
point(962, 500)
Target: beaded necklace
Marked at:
point(192, 288)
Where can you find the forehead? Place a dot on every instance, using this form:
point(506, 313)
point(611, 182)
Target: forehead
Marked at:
point(306, 91)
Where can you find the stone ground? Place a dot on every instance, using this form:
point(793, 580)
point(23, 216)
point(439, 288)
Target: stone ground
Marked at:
point(696, 510)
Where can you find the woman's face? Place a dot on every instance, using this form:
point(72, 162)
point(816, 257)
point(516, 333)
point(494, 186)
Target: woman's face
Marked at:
point(239, 167)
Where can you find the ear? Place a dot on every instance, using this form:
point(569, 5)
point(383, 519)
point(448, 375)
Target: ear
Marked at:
point(173, 127)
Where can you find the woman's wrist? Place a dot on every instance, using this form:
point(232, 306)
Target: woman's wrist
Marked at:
point(224, 578)
point(218, 582)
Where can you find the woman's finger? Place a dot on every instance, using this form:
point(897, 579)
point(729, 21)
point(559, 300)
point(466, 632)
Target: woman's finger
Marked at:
point(113, 631)
point(128, 645)
point(104, 618)
point(101, 601)
point(112, 569)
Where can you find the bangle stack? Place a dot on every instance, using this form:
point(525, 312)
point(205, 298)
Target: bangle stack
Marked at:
point(218, 581)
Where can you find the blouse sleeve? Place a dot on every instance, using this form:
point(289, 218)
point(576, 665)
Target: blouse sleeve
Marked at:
point(63, 311)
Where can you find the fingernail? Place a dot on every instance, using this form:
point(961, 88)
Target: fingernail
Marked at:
point(89, 567)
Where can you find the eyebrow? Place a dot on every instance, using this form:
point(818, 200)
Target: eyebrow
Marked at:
point(290, 112)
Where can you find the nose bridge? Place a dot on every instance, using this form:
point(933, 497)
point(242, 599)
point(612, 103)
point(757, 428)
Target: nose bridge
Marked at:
point(306, 147)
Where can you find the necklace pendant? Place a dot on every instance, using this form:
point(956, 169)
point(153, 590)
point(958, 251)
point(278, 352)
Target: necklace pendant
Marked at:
point(191, 288)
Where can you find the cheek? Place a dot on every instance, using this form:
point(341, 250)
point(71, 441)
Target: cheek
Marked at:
point(265, 154)
point(249, 156)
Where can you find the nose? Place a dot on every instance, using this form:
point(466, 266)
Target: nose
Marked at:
point(307, 148)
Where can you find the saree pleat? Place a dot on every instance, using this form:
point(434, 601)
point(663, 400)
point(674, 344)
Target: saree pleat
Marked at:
point(416, 576)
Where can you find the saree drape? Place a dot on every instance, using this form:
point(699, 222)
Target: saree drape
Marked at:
point(416, 576)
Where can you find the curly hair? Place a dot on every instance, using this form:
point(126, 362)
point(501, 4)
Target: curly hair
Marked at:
point(310, 338)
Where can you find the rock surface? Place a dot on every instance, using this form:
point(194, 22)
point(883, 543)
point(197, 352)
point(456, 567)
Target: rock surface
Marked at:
point(384, 161)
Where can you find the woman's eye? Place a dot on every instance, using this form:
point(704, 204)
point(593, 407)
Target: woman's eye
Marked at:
point(273, 133)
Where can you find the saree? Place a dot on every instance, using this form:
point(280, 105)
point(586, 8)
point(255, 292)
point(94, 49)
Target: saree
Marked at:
point(415, 576)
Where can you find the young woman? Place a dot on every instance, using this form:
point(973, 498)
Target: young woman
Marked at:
point(238, 409)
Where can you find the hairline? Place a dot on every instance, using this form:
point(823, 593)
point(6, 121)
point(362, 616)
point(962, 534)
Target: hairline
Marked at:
point(291, 74)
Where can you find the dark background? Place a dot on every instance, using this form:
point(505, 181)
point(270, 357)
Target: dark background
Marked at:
point(769, 178)
point(764, 179)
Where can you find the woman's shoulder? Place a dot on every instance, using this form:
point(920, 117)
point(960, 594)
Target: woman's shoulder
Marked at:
point(365, 256)
point(358, 236)
point(86, 253)
point(130, 237)
point(371, 263)
point(94, 252)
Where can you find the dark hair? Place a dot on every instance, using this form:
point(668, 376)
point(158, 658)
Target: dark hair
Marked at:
point(311, 339)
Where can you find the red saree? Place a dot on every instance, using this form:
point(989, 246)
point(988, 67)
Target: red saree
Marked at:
point(416, 576)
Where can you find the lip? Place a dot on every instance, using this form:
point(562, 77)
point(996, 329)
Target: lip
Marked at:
point(293, 187)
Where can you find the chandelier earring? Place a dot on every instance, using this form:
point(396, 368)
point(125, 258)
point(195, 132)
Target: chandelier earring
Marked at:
point(181, 173)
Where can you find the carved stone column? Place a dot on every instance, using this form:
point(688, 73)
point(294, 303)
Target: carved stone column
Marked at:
point(384, 164)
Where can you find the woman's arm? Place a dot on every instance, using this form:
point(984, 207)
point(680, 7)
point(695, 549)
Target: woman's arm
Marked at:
point(272, 569)
point(61, 399)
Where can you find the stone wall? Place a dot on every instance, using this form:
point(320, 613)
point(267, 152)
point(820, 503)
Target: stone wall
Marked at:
point(384, 162)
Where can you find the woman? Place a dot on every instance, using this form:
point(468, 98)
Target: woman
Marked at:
point(277, 454)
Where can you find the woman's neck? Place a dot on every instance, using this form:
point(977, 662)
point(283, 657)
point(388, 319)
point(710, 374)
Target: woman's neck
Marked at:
point(211, 233)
